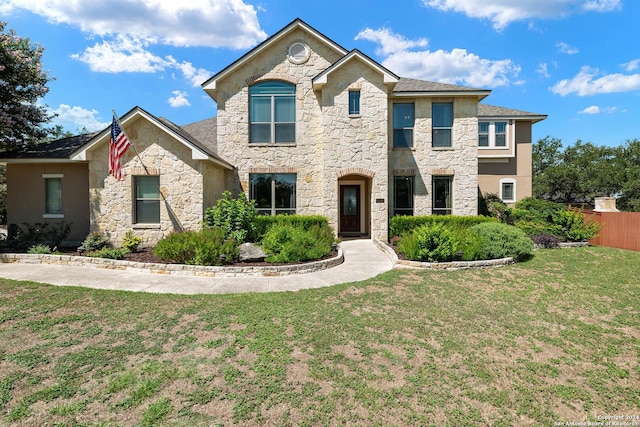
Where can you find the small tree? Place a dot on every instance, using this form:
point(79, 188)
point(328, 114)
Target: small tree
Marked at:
point(22, 84)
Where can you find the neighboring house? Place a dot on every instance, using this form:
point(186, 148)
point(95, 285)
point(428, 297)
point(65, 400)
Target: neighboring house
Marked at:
point(303, 126)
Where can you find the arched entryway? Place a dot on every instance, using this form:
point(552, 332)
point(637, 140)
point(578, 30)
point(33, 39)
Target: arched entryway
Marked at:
point(354, 202)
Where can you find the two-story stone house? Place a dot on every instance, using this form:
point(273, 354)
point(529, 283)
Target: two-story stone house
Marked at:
point(303, 126)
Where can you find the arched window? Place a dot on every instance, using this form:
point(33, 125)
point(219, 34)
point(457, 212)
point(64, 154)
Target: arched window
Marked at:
point(272, 112)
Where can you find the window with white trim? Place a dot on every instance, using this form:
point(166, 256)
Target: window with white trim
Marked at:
point(492, 134)
point(147, 199)
point(508, 190)
point(53, 196)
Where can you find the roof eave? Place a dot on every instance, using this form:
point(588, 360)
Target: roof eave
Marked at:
point(481, 94)
point(532, 118)
point(321, 79)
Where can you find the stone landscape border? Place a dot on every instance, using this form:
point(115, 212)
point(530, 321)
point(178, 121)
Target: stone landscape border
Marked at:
point(176, 269)
point(460, 265)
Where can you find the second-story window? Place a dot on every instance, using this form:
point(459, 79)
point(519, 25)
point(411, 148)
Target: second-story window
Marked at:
point(442, 113)
point(272, 112)
point(354, 102)
point(403, 122)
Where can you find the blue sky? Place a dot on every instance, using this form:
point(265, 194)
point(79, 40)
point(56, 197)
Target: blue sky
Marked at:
point(576, 60)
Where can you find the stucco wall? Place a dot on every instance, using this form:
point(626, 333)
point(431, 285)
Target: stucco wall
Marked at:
point(518, 168)
point(26, 196)
point(181, 183)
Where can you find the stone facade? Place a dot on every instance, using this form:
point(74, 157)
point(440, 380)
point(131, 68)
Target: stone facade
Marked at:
point(187, 186)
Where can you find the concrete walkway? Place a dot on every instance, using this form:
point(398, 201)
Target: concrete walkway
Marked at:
point(362, 260)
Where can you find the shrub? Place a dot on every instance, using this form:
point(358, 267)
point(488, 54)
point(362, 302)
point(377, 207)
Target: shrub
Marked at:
point(235, 216)
point(289, 243)
point(131, 242)
point(574, 227)
point(433, 243)
point(51, 234)
point(106, 252)
point(41, 249)
point(502, 240)
point(496, 208)
point(532, 209)
point(94, 242)
point(197, 248)
point(264, 222)
point(404, 225)
point(547, 241)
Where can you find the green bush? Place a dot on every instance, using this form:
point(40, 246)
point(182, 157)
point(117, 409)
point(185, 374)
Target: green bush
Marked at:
point(574, 227)
point(51, 234)
point(536, 210)
point(131, 242)
point(41, 249)
point(106, 252)
point(264, 222)
point(235, 216)
point(197, 248)
point(434, 242)
point(294, 243)
point(494, 206)
point(502, 240)
point(95, 241)
point(404, 225)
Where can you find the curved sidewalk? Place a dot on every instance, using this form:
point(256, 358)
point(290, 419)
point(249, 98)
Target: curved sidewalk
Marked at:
point(362, 260)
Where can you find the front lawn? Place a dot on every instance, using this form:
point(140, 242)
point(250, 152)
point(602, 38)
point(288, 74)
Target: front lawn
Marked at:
point(553, 339)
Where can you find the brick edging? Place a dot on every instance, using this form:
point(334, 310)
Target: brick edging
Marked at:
point(175, 269)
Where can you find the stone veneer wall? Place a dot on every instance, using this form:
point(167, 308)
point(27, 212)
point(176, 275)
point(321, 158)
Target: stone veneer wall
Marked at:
point(461, 160)
point(181, 183)
point(327, 139)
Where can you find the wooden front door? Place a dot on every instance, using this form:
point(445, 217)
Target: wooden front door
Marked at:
point(349, 208)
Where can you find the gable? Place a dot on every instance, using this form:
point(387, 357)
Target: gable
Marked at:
point(199, 151)
point(297, 29)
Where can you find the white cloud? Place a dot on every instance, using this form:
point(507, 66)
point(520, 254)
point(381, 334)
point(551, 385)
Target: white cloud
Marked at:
point(196, 76)
point(565, 48)
point(586, 83)
point(211, 23)
point(456, 66)
point(389, 41)
point(594, 109)
point(602, 5)
point(179, 99)
point(76, 118)
point(632, 65)
point(543, 70)
point(504, 12)
point(124, 54)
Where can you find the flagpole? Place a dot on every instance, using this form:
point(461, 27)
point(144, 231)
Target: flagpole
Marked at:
point(131, 141)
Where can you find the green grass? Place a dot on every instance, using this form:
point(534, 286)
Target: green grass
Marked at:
point(552, 339)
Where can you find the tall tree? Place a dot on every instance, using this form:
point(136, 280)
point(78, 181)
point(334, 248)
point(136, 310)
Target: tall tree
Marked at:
point(22, 84)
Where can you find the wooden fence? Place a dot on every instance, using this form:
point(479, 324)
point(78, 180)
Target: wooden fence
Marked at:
point(619, 229)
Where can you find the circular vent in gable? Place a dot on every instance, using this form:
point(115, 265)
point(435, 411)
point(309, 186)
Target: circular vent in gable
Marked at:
point(298, 53)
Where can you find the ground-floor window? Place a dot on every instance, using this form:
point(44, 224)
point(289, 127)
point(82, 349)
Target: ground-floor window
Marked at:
point(442, 195)
point(53, 196)
point(274, 193)
point(508, 190)
point(403, 195)
point(147, 199)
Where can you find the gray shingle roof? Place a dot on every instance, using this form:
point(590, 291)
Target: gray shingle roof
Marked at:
point(485, 110)
point(414, 85)
point(58, 149)
point(205, 132)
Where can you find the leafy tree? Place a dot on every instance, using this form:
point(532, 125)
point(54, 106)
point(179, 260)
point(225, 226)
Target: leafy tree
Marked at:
point(629, 167)
point(22, 84)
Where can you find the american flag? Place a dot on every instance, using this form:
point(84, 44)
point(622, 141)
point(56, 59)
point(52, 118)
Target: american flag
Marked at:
point(117, 147)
